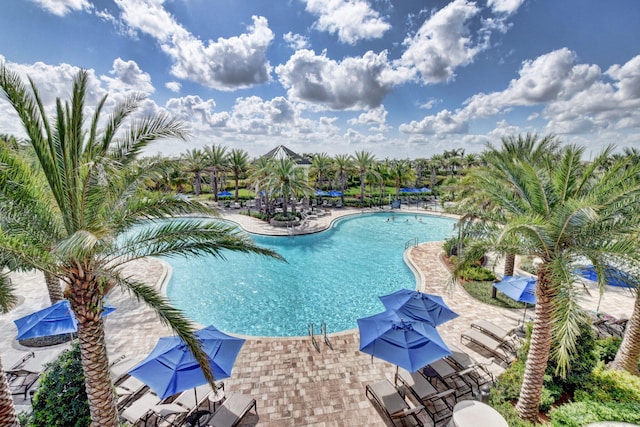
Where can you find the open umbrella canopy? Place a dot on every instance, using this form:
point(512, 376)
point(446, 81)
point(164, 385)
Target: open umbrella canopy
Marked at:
point(613, 276)
point(518, 288)
point(321, 193)
point(56, 319)
point(409, 190)
point(425, 190)
point(225, 193)
point(405, 343)
point(335, 193)
point(171, 368)
point(419, 306)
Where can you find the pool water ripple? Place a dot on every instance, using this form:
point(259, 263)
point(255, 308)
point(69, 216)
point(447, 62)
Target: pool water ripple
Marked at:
point(334, 276)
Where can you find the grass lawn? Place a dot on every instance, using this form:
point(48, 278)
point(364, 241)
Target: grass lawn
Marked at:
point(482, 292)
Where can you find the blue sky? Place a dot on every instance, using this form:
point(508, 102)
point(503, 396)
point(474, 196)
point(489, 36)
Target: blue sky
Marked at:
point(401, 79)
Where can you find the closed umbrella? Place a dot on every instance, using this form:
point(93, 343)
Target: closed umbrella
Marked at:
point(57, 319)
point(419, 306)
point(171, 368)
point(519, 288)
point(335, 193)
point(406, 343)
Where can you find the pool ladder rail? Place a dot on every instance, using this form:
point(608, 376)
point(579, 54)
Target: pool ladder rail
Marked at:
point(323, 332)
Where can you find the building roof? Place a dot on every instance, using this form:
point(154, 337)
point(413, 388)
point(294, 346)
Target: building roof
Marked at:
point(282, 152)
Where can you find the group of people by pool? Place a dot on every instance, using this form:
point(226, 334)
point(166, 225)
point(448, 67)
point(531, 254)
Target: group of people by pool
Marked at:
point(393, 218)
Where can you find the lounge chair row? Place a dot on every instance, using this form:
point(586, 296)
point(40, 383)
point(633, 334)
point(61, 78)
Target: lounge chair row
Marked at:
point(26, 368)
point(499, 342)
point(459, 375)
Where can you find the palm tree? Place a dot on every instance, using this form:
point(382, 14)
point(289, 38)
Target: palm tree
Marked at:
point(558, 211)
point(382, 171)
point(400, 171)
point(320, 168)
point(363, 160)
point(74, 227)
point(195, 162)
point(238, 162)
point(343, 164)
point(436, 162)
point(216, 159)
point(287, 179)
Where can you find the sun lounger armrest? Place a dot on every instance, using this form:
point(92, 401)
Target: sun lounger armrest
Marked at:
point(407, 412)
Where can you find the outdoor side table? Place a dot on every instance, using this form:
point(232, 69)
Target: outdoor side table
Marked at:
point(216, 397)
point(471, 413)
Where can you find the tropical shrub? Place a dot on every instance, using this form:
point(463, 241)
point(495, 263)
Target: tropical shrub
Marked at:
point(61, 399)
point(477, 273)
point(605, 385)
point(606, 348)
point(582, 413)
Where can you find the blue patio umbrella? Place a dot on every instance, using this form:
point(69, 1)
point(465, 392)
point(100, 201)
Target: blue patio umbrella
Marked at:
point(57, 319)
point(406, 343)
point(419, 306)
point(171, 368)
point(519, 288)
point(335, 193)
point(409, 190)
point(225, 193)
point(321, 193)
point(425, 190)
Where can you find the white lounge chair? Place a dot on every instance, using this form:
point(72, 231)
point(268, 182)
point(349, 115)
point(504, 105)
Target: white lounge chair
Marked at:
point(231, 412)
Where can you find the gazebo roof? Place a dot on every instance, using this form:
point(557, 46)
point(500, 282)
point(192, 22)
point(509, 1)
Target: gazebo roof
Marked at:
point(282, 152)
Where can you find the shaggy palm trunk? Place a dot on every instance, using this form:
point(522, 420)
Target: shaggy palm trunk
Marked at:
point(629, 352)
point(531, 390)
point(54, 288)
point(362, 186)
point(197, 189)
point(86, 298)
point(509, 264)
point(7, 409)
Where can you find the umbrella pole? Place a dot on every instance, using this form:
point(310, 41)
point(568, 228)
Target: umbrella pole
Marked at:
point(395, 378)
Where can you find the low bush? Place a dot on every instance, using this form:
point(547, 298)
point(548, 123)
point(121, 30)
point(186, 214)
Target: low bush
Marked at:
point(61, 399)
point(582, 413)
point(477, 273)
point(604, 385)
point(606, 348)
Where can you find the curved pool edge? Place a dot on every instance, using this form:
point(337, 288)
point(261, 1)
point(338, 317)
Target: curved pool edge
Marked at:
point(419, 275)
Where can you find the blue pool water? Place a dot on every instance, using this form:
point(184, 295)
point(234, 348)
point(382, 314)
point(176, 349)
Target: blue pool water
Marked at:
point(335, 277)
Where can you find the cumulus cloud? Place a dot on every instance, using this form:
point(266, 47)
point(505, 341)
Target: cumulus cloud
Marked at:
point(173, 86)
point(351, 20)
point(445, 122)
point(63, 7)
point(505, 6)
point(192, 109)
point(573, 98)
point(442, 43)
point(295, 41)
point(127, 76)
point(225, 64)
point(373, 117)
point(354, 83)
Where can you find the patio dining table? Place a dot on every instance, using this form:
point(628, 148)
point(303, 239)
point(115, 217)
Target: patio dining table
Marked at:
point(471, 413)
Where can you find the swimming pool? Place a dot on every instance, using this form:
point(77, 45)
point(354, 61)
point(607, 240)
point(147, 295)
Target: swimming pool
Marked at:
point(334, 276)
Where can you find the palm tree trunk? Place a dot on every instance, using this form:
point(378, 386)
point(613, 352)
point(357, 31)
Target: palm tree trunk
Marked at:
point(362, 186)
point(54, 288)
point(8, 415)
point(509, 264)
point(539, 350)
point(95, 364)
point(197, 179)
point(628, 354)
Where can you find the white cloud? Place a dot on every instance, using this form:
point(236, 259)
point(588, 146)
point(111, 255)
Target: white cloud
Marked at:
point(225, 64)
point(128, 77)
point(442, 43)
point(173, 86)
point(374, 116)
point(63, 7)
point(351, 84)
point(505, 6)
point(444, 122)
point(192, 109)
point(351, 20)
point(295, 41)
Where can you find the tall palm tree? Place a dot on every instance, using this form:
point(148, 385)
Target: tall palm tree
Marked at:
point(286, 178)
point(75, 227)
point(436, 162)
point(363, 161)
point(558, 211)
point(320, 168)
point(343, 165)
point(195, 162)
point(238, 161)
point(216, 159)
point(401, 172)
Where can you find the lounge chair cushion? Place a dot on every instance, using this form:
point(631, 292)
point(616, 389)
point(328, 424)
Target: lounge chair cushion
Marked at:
point(232, 410)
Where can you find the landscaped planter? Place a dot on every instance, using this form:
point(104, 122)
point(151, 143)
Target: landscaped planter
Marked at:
point(291, 223)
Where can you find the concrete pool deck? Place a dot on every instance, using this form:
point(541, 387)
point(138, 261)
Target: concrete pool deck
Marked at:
point(292, 382)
